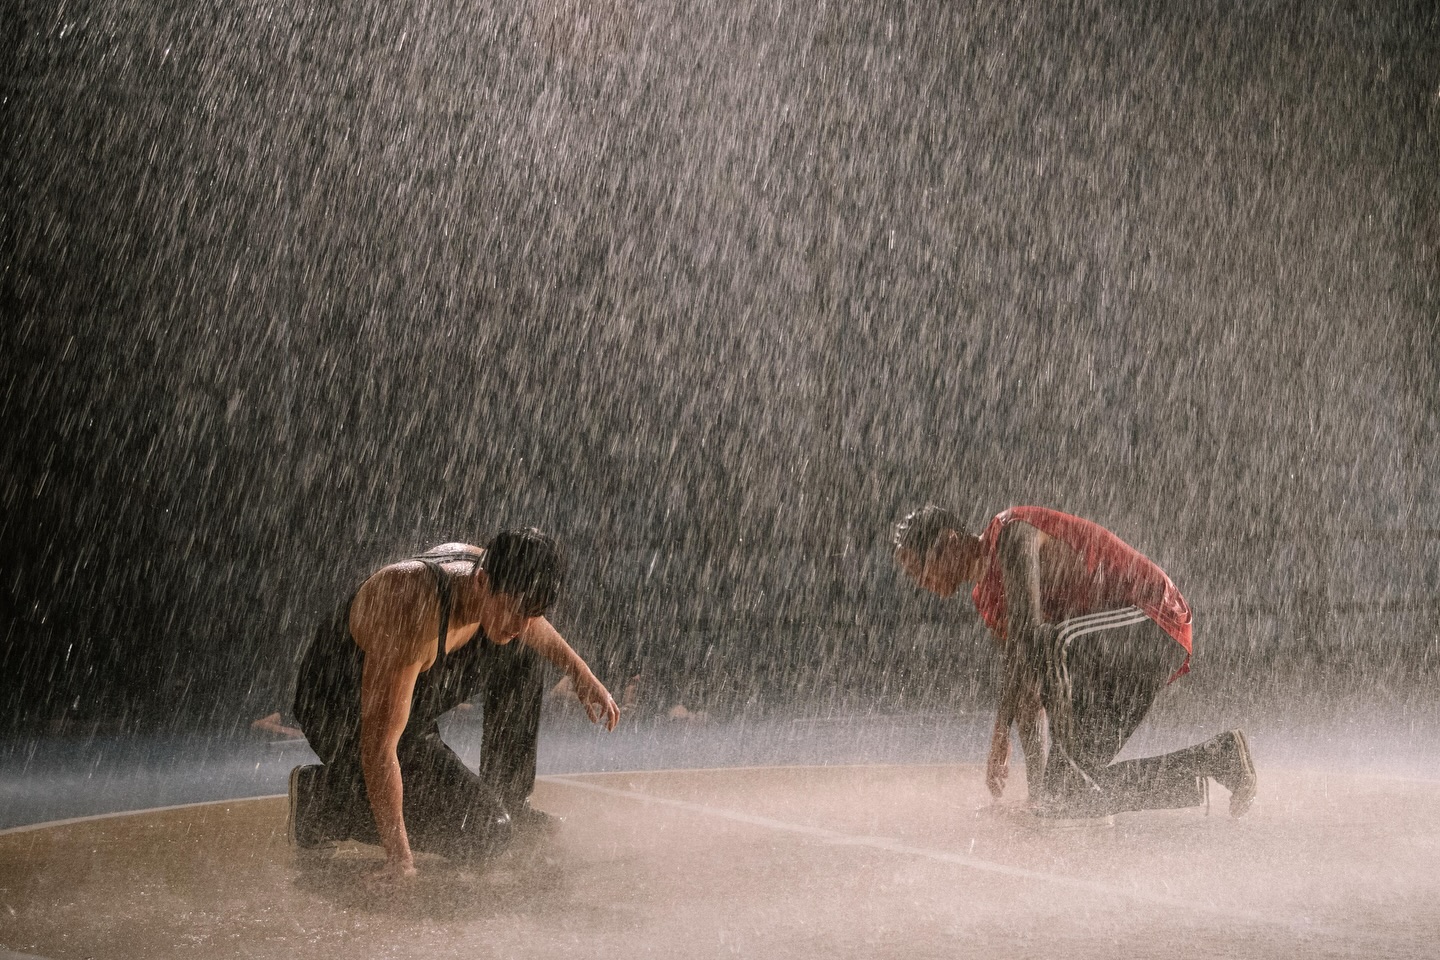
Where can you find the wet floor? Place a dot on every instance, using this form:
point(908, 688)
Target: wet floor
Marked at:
point(53, 779)
point(862, 861)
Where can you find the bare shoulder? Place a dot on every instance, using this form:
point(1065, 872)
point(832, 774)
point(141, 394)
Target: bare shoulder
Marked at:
point(393, 607)
point(397, 581)
point(453, 548)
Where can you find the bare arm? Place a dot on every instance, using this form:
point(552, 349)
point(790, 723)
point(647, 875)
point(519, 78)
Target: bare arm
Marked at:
point(540, 636)
point(385, 692)
point(1020, 705)
point(388, 620)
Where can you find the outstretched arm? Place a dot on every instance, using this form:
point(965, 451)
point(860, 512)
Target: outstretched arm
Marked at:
point(545, 640)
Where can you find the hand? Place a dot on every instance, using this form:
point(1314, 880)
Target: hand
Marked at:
point(596, 700)
point(394, 872)
point(997, 767)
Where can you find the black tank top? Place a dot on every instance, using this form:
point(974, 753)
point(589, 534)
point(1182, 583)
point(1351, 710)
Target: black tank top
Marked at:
point(327, 691)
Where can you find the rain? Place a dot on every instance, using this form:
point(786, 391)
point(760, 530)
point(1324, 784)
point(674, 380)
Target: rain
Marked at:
point(715, 294)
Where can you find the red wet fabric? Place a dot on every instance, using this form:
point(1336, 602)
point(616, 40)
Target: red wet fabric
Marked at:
point(1121, 576)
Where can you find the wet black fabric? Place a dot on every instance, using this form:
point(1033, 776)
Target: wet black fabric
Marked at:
point(1114, 676)
point(444, 800)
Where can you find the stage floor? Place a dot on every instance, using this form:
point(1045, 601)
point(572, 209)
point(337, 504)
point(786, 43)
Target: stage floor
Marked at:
point(825, 861)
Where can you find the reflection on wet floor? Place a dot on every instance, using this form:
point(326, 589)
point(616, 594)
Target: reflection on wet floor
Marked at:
point(59, 779)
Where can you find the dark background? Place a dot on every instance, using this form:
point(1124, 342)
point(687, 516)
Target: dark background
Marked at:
point(714, 292)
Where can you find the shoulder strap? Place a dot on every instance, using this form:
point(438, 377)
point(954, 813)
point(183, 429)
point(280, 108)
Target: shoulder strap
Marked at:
point(447, 557)
point(442, 588)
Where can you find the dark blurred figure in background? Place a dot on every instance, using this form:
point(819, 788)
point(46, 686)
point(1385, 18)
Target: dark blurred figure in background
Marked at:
point(1090, 631)
point(418, 638)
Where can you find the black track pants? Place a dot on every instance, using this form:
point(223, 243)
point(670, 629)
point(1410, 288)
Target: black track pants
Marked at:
point(448, 807)
point(1114, 665)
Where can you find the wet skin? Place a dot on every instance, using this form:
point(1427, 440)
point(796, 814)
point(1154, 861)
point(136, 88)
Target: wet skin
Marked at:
point(393, 619)
point(957, 559)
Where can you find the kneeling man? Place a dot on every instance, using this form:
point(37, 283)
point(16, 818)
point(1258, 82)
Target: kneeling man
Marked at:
point(418, 638)
point(1091, 631)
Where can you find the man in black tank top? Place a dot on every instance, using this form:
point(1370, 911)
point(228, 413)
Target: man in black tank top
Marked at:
point(418, 638)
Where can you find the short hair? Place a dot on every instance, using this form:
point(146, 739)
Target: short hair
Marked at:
point(527, 564)
point(919, 530)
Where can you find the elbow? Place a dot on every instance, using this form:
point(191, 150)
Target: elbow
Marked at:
point(372, 757)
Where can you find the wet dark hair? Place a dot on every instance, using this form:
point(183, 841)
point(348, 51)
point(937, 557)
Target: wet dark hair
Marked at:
point(527, 564)
point(919, 530)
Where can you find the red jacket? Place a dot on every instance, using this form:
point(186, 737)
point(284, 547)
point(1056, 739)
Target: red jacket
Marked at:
point(1124, 577)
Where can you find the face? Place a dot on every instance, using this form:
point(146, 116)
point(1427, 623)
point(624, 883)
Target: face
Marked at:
point(503, 618)
point(940, 571)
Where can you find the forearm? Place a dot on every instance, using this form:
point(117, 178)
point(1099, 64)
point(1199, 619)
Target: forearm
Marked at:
point(386, 790)
point(1004, 714)
point(541, 637)
point(1020, 705)
point(545, 640)
point(384, 712)
point(1029, 718)
point(1012, 690)
point(1000, 736)
point(997, 763)
point(1031, 724)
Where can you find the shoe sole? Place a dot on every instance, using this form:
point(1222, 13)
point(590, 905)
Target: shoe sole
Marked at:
point(1244, 793)
point(290, 818)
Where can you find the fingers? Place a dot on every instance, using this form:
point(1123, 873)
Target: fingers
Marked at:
point(604, 709)
point(996, 773)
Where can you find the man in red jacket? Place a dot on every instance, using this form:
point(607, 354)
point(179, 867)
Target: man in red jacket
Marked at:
point(1090, 630)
